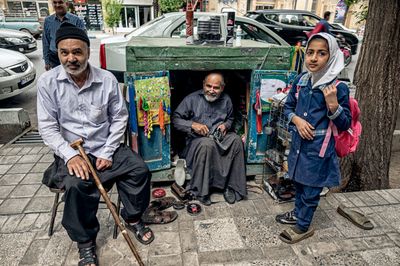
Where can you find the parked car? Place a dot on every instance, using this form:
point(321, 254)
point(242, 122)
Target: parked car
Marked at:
point(17, 41)
point(32, 27)
point(17, 73)
point(172, 25)
point(291, 25)
point(340, 26)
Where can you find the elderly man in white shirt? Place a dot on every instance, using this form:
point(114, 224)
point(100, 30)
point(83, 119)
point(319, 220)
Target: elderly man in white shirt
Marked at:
point(77, 100)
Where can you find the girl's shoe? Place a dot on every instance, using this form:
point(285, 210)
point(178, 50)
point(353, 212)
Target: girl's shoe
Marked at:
point(286, 218)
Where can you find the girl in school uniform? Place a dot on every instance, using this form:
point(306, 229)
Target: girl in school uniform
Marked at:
point(314, 100)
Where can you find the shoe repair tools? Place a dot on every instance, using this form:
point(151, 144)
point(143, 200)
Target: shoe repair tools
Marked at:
point(77, 145)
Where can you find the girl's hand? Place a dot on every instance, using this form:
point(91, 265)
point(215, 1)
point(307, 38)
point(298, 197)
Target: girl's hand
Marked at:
point(305, 129)
point(331, 98)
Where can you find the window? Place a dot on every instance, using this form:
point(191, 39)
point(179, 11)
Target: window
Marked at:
point(264, 7)
point(289, 19)
point(309, 21)
point(251, 32)
point(180, 31)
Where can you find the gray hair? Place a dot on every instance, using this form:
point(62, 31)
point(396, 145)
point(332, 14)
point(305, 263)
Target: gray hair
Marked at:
point(216, 73)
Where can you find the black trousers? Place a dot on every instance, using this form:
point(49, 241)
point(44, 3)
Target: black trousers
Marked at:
point(131, 176)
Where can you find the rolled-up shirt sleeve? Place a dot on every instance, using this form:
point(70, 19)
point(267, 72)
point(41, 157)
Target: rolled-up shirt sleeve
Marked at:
point(118, 117)
point(48, 124)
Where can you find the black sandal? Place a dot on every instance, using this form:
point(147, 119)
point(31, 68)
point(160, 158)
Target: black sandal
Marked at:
point(88, 256)
point(140, 230)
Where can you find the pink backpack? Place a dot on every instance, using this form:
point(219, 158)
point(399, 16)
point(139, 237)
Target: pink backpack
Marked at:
point(346, 142)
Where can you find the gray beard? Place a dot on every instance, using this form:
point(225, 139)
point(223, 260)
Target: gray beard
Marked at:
point(211, 98)
point(78, 71)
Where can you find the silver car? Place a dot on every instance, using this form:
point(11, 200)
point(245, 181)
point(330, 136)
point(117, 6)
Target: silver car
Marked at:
point(17, 73)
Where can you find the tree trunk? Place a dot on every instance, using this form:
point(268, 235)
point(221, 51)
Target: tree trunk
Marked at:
point(377, 79)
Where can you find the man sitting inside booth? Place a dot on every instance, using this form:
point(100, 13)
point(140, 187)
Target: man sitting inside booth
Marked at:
point(214, 154)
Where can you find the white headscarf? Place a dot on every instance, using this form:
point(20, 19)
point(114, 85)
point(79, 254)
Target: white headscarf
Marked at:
point(335, 63)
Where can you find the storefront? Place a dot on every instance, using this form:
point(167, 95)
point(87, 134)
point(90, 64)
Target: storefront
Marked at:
point(135, 13)
point(28, 9)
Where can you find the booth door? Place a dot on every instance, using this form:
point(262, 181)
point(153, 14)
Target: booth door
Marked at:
point(149, 122)
point(264, 85)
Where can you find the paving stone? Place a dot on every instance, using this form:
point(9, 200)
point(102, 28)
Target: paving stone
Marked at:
point(353, 244)
point(56, 250)
point(394, 192)
point(11, 224)
point(40, 167)
point(259, 231)
point(13, 206)
point(341, 259)
point(395, 237)
point(32, 178)
point(272, 253)
point(304, 253)
point(27, 222)
point(4, 151)
point(3, 219)
point(388, 214)
point(4, 168)
point(342, 199)
point(188, 241)
point(277, 208)
point(376, 242)
point(25, 150)
point(274, 262)
point(386, 256)
point(165, 243)
point(40, 204)
point(30, 158)
point(172, 260)
point(44, 191)
point(14, 246)
point(321, 220)
point(36, 149)
point(219, 210)
point(242, 208)
point(184, 225)
point(24, 191)
point(190, 258)
point(36, 248)
point(42, 222)
point(366, 198)
point(217, 234)
point(322, 248)
point(214, 257)
point(5, 191)
point(247, 254)
point(352, 196)
point(9, 159)
point(11, 179)
point(377, 197)
point(169, 227)
point(47, 158)
point(261, 207)
point(389, 198)
point(324, 204)
point(45, 150)
point(332, 200)
point(20, 168)
point(14, 151)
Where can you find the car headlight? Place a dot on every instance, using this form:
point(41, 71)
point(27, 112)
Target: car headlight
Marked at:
point(3, 73)
point(14, 40)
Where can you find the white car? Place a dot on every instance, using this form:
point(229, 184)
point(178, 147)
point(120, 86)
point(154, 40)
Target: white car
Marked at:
point(17, 73)
point(172, 25)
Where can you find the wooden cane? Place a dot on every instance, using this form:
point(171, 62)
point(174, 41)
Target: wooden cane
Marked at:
point(77, 145)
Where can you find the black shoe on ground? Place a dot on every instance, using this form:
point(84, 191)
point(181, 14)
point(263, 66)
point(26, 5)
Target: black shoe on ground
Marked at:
point(286, 218)
point(229, 195)
point(205, 200)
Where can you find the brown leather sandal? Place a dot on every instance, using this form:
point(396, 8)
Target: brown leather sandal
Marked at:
point(154, 216)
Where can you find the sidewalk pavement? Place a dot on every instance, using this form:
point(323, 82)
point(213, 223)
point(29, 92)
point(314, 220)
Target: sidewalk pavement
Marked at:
point(241, 234)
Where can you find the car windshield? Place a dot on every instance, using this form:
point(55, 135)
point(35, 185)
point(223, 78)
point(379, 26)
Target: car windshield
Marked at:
point(153, 28)
point(254, 33)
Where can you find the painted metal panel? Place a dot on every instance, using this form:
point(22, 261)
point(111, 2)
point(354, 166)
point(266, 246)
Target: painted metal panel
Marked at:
point(257, 142)
point(155, 147)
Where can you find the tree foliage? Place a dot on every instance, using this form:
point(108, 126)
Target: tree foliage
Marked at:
point(113, 12)
point(171, 5)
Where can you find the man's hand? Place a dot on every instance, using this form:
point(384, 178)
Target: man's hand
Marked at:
point(331, 98)
point(77, 166)
point(200, 129)
point(47, 67)
point(305, 129)
point(222, 128)
point(103, 164)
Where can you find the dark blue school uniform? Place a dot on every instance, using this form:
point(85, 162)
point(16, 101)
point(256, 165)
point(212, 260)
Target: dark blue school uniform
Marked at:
point(309, 171)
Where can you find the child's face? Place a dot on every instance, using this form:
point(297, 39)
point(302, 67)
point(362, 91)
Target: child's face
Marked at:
point(317, 55)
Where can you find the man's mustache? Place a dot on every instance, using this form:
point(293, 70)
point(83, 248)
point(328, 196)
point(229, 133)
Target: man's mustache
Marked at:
point(76, 63)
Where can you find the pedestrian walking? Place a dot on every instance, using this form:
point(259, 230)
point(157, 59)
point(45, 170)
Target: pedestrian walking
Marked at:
point(51, 25)
point(314, 100)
